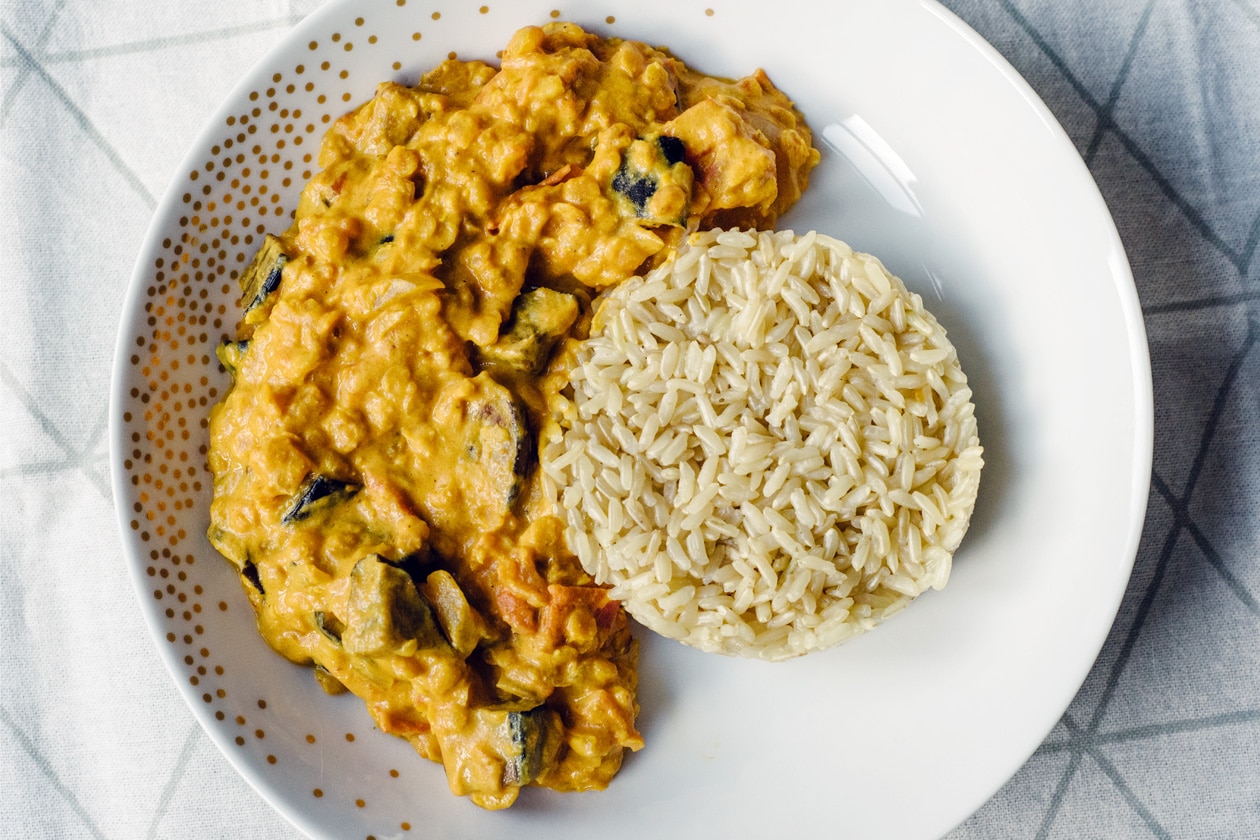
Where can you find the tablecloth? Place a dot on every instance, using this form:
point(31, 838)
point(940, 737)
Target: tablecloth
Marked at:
point(1161, 98)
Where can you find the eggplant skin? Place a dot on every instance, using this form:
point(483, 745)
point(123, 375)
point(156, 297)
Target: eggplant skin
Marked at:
point(495, 442)
point(529, 735)
point(527, 740)
point(461, 624)
point(385, 610)
point(316, 491)
point(263, 274)
point(654, 181)
point(672, 149)
point(249, 574)
point(540, 318)
point(329, 625)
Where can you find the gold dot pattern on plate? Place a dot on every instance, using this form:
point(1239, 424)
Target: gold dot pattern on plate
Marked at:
point(244, 185)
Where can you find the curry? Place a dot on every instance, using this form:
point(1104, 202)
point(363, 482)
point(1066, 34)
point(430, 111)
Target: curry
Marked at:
point(375, 461)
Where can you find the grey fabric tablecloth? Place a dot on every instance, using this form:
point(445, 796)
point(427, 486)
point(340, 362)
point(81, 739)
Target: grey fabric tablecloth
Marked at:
point(1161, 97)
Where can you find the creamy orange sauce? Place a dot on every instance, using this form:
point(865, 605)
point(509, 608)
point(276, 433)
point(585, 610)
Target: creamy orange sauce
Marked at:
point(375, 460)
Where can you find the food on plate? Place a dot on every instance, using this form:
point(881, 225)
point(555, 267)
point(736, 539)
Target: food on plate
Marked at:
point(765, 446)
point(375, 461)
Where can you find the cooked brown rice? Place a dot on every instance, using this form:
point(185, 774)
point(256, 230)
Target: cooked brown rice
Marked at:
point(769, 447)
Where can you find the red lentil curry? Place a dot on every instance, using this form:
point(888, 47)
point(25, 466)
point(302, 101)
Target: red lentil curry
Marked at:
point(375, 460)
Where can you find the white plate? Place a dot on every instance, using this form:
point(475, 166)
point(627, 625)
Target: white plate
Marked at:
point(938, 158)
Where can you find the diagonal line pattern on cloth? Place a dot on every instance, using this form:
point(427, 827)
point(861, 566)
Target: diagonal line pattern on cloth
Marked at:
point(1035, 37)
point(1121, 785)
point(84, 122)
point(152, 44)
point(1242, 264)
point(1201, 303)
point(75, 459)
point(38, 468)
point(1154, 730)
point(1209, 551)
point(1238, 259)
point(32, 751)
point(1105, 120)
point(1196, 220)
point(84, 460)
point(177, 773)
point(24, 73)
point(7, 377)
point(1249, 247)
point(1059, 793)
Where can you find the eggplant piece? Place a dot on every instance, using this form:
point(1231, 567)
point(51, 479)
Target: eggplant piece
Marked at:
point(385, 611)
point(636, 187)
point(249, 574)
point(540, 318)
point(263, 274)
point(654, 181)
point(528, 734)
point(329, 683)
point(528, 741)
point(462, 625)
point(329, 625)
point(230, 545)
point(317, 491)
point(495, 443)
point(672, 149)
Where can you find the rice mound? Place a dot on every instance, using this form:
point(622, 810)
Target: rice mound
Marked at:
point(769, 446)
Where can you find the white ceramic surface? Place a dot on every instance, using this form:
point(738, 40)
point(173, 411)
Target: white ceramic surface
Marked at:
point(938, 158)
